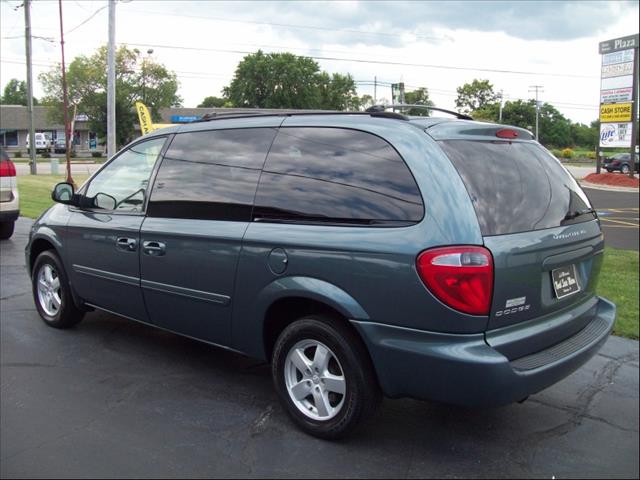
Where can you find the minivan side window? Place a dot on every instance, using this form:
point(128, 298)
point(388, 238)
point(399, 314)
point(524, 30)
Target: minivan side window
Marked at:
point(336, 176)
point(210, 175)
point(126, 178)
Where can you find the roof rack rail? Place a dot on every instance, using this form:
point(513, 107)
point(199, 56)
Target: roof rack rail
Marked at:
point(382, 108)
point(207, 117)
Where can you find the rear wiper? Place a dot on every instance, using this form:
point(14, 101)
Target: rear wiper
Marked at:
point(577, 213)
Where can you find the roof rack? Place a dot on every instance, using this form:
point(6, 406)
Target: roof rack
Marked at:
point(382, 108)
point(207, 117)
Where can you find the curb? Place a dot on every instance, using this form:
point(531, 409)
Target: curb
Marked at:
point(611, 188)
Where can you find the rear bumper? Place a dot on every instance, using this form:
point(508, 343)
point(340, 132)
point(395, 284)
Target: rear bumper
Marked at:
point(9, 215)
point(465, 370)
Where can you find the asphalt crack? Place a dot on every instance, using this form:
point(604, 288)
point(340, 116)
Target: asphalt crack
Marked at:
point(528, 446)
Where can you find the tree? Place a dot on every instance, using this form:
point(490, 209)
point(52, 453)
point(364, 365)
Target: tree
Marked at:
point(136, 79)
point(337, 92)
point(285, 80)
point(475, 95)
point(418, 97)
point(212, 102)
point(365, 101)
point(554, 128)
point(15, 93)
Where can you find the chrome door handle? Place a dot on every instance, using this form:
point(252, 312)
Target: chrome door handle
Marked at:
point(155, 249)
point(126, 244)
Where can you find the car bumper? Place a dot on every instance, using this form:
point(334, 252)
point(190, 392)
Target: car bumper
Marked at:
point(9, 215)
point(465, 370)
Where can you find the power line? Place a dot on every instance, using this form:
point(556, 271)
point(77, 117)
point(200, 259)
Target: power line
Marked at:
point(87, 19)
point(361, 60)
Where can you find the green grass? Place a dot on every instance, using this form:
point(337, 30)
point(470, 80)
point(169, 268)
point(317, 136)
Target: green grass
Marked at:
point(618, 279)
point(35, 192)
point(619, 283)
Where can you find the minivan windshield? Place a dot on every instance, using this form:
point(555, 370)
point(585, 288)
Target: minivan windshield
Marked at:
point(517, 186)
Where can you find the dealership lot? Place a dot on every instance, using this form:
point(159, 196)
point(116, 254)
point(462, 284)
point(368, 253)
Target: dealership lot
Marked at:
point(113, 398)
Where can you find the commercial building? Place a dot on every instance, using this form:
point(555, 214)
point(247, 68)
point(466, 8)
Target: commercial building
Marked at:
point(14, 127)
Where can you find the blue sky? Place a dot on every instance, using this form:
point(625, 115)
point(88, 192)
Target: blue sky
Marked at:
point(438, 45)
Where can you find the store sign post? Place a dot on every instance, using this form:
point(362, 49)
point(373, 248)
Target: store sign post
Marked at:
point(618, 94)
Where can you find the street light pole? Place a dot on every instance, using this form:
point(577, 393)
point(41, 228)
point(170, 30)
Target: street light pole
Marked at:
point(32, 135)
point(111, 82)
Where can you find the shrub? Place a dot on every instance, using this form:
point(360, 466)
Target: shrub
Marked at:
point(73, 154)
point(566, 153)
point(18, 154)
point(96, 154)
point(46, 155)
point(591, 155)
point(556, 153)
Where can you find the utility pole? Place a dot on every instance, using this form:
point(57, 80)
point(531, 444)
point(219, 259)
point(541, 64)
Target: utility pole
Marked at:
point(537, 88)
point(375, 90)
point(501, 96)
point(65, 97)
point(111, 82)
point(32, 135)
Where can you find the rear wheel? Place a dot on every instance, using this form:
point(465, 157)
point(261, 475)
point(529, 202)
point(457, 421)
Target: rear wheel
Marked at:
point(6, 230)
point(52, 293)
point(324, 377)
point(625, 169)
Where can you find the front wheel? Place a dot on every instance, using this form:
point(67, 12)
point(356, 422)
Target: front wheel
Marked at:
point(625, 169)
point(51, 292)
point(324, 377)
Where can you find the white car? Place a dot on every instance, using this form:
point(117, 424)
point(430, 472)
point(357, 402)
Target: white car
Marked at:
point(9, 199)
point(43, 144)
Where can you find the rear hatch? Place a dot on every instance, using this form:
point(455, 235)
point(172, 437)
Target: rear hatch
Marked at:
point(538, 224)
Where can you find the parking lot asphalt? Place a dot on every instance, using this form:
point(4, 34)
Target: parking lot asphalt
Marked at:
point(618, 212)
point(112, 398)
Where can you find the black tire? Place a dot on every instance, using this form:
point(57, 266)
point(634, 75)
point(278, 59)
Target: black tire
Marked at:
point(6, 229)
point(625, 169)
point(362, 393)
point(609, 170)
point(67, 314)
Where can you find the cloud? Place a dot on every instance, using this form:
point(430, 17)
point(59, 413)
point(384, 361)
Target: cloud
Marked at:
point(391, 23)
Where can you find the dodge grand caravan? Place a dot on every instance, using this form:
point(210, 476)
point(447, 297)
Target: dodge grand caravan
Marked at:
point(362, 254)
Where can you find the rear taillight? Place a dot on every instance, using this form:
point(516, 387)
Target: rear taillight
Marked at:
point(7, 168)
point(460, 277)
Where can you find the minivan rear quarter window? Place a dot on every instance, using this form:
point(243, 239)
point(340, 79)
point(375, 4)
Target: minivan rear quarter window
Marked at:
point(517, 186)
point(335, 175)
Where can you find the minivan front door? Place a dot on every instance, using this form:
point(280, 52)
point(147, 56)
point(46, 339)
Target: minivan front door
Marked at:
point(198, 213)
point(104, 241)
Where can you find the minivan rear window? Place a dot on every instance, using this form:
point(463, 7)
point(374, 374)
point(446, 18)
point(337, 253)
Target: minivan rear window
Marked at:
point(517, 186)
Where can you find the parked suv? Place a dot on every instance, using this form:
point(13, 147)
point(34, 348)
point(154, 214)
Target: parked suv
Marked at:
point(620, 162)
point(9, 198)
point(361, 254)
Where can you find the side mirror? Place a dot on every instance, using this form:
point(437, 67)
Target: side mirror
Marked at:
point(104, 201)
point(63, 193)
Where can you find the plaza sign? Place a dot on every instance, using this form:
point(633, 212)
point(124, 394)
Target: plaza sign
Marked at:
point(617, 44)
point(618, 99)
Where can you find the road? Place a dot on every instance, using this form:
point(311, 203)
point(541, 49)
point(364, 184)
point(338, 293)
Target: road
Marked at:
point(618, 212)
point(112, 398)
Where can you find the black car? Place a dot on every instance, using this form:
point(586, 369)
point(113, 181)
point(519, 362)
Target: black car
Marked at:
point(60, 146)
point(619, 162)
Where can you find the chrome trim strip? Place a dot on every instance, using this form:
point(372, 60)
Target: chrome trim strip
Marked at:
point(187, 292)
point(115, 277)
